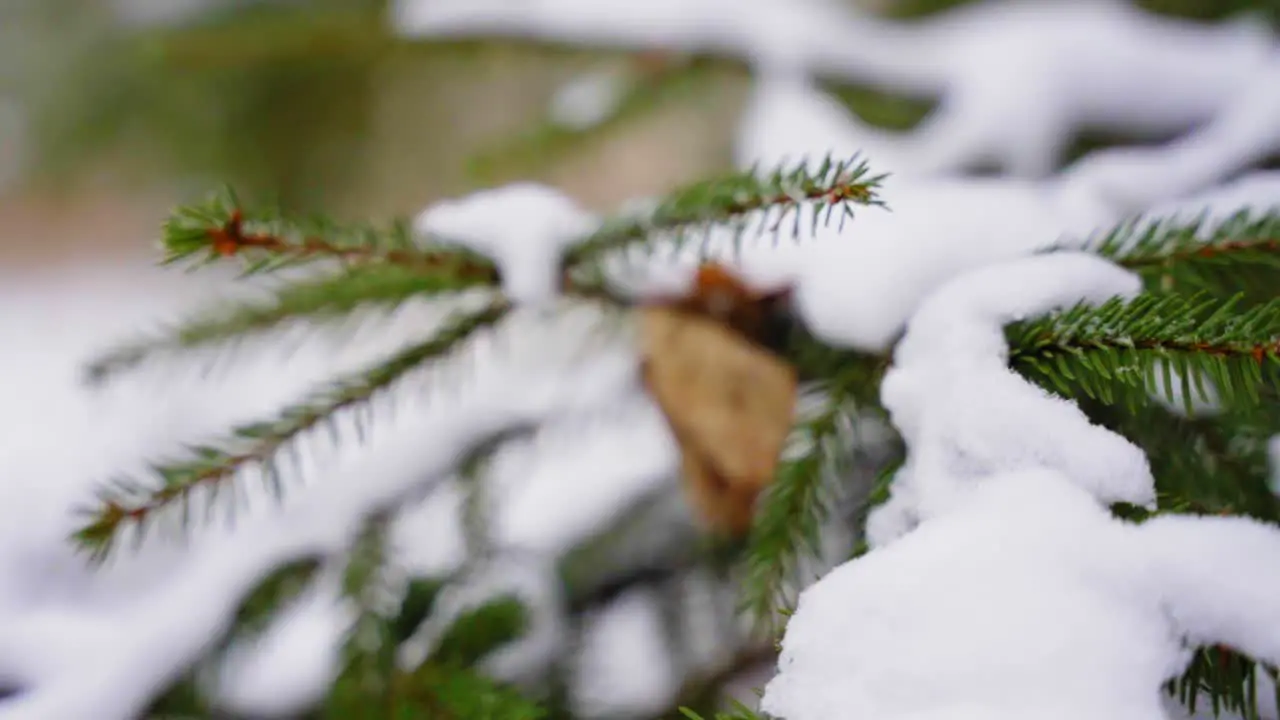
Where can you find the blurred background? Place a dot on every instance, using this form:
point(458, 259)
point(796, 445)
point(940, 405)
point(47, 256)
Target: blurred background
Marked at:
point(112, 110)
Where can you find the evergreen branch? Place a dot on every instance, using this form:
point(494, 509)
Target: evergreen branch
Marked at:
point(1142, 344)
point(1203, 465)
point(1238, 255)
point(370, 646)
point(880, 492)
point(481, 631)
point(793, 510)
point(629, 554)
point(330, 296)
point(1225, 675)
point(448, 686)
point(263, 240)
point(447, 692)
point(780, 198)
point(418, 601)
point(857, 373)
point(131, 503)
point(473, 471)
point(1243, 237)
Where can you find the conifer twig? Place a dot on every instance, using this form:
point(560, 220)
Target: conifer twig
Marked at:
point(1243, 237)
point(220, 228)
point(328, 296)
point(793, 510)
point(1142, 344)
point(130, 502)
point(1240, 254)
point(780, 197)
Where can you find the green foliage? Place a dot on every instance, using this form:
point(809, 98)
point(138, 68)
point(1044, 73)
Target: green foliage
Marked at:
point(1190, 337)
point(740, 712)
point(1228, 678)
point(132, 502)
point(1239, 255)
point(477, 633)
point(792, 201)
point(329, 296)
point(795, 508)
point(371, 684)
point(1156, 343)
point(264, 240)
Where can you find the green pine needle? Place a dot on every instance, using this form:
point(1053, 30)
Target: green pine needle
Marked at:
point(1243, 237)
point(1225, 676)
point(1238, 255)
point(781, 199)
point(262, 240)
point(479, 632)
point(1155, 344)
point(370, 647)
point(1216, 464)
point(133, 502)
point(331, 296)
point(792, 511)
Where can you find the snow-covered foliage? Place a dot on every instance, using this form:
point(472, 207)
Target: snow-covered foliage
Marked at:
point(1000, 586)
point(525, 227)
point(1026, 600)
point(1018, 595)
point(1140, 74)
point(152, 613)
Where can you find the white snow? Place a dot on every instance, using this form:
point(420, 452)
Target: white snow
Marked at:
point(1000, 586)
point(965, 415)
point(856, 286)
point(1244, 132)
point(789, 120)
point(526, 576)
point(152, 612)
point(744, 28)
point(1142, 73)
point(1257, 192)
point(624, 669)
point(293, 662)
point(524, 227)
point(1026, 601)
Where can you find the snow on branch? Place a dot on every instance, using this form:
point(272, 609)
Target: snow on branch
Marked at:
point(1239, 253)
point(134, 503)
point(326, 296)
point(1154, 341)
point(795, 507)
point(1000, 585)
point(1246, 236)
point(965, 415)
point(783, 201)
point(57, 651)
point(263, 240)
